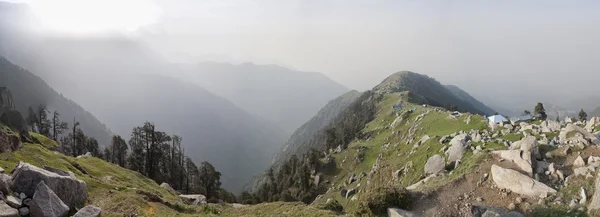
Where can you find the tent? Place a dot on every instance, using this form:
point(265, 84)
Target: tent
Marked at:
point(496, 119)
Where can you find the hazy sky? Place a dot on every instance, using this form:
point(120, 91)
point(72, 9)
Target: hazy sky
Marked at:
point(494, 48)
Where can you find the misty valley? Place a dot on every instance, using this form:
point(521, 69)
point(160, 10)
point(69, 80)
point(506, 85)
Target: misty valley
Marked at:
point(299, 108)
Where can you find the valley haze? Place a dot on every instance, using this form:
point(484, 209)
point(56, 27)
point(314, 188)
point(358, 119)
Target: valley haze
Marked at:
point(303, 105)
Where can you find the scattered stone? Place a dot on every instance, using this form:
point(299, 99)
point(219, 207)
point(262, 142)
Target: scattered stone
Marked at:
point(435, 164)
point(579, 162)
point(24, 211)
point(6, 183)
point(479, 199)
point(394, 212)
point(13, 202)
point(343, 192)
point(573, 203)
point(194, 199)
point(90, 211)
point(594, 204)
point(521, 158)
point(583, 196)
point(350, 193)
point(519, 200)
point(519, 183)
point(167, 187)
point(512, 206)
point(352, 179)
point(7, 211)
point(46, 203)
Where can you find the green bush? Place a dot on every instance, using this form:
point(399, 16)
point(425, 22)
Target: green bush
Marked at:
point(380, 199)
point(333, 205)
point(211, 209)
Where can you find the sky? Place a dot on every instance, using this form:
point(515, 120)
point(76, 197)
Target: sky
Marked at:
point(494, 49)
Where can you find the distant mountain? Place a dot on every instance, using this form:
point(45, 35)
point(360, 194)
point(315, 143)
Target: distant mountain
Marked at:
point(29, 90)
point(463, 95)
point(124, 83)
point(428, 88)
point(595, 112)
point(283, 96)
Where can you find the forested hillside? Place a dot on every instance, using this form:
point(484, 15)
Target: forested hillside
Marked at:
point(30, 91)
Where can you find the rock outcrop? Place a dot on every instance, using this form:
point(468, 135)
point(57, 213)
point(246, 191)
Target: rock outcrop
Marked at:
point(70, 190)
point(519, 183)
point(9, 142)
point(594, 205)
point(570, 132)
point(458, 146)
point(194, 199)
point(167, 187)
point(521, 158)
point(46, 203)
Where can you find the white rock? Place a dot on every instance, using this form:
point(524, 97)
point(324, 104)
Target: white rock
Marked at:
point(519, 183)
point(394, 212)
point(579, 162)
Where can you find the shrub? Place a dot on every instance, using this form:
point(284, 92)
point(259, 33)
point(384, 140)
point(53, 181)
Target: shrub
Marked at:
point(382, 198)
point(287, 197)
point(333, 205)
point(211, 209)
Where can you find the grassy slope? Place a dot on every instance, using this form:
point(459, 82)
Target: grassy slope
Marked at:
point(117, 196)
point(433, 124)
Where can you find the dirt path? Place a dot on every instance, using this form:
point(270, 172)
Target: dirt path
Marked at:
point(456, 198)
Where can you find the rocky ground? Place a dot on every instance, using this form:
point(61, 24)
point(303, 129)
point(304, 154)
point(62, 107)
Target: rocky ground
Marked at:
point(537, 175)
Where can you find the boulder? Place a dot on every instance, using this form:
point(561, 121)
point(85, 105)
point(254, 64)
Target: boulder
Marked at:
point(13, 201)
point(351, 179)
point(394, 212)
point(521, 158)
point(167, 186)
point(350, 192)
point(70, 190)
point(46, 203)
point(7, 211)
point(592, 123)
point(194, 199)
point(529, 144)
point(89, 211)
point(24, 211)
point(458, 145)
point(572, 130)
point(5, 183)
point(238, 205)
point(519, 183)
point(343, 192)
point(435, 164)
point(579, 162)
point(594, 205)
point(9, 142)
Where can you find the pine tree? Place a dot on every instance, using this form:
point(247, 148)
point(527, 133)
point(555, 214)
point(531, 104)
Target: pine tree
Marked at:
point(540, 112)
point(582, 115)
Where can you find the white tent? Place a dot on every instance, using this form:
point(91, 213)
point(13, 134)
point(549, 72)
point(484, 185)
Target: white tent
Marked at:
point(496, 119)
